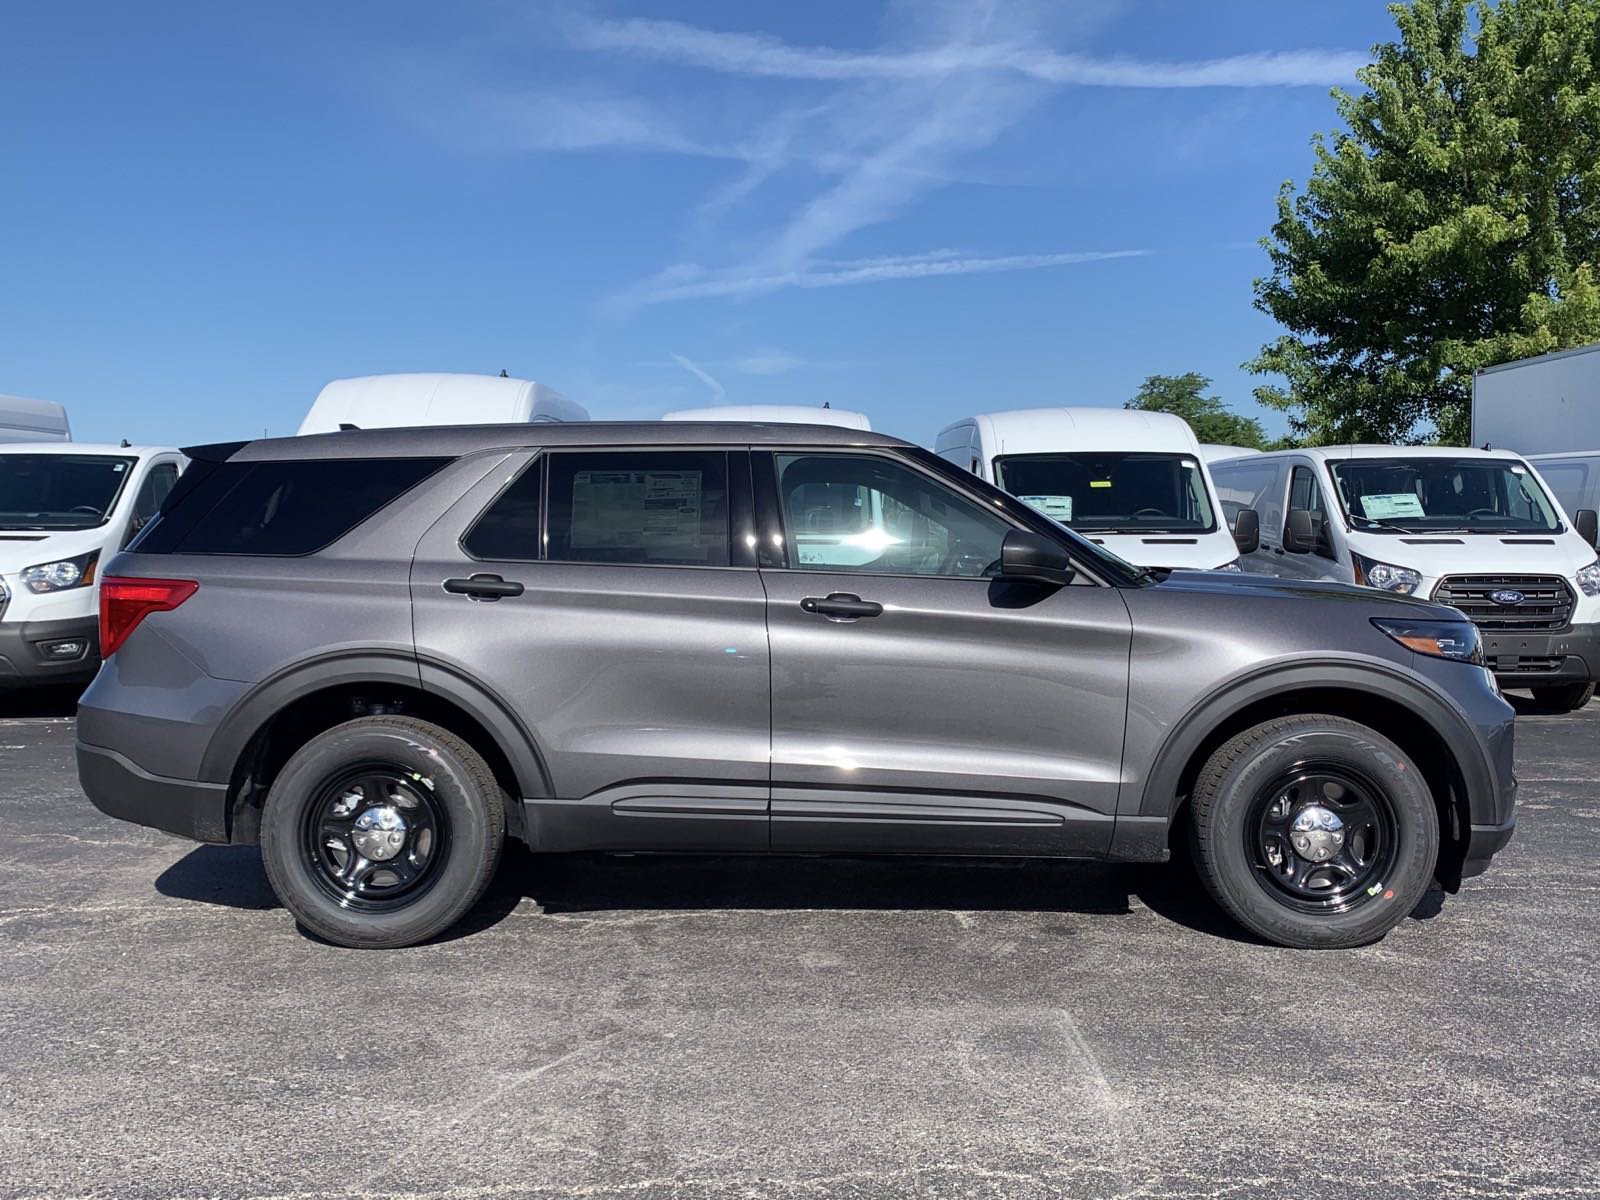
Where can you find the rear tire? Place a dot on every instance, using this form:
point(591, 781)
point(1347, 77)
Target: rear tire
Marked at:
point(1566, 697)
point(382, 832)
point(1314, 832)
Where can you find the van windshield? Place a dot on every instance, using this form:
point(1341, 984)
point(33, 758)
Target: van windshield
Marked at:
point(59, 491)
point(1112, 492)
point(1426, 494)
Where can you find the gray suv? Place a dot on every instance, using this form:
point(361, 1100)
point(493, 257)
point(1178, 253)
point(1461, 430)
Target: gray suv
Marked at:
point(381, 653)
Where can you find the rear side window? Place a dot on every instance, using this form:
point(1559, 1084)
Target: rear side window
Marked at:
point(280, 509)
point(652, 508)
point(509, 530)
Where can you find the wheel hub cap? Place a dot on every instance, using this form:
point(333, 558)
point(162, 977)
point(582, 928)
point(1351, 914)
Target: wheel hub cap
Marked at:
point(1316, 834)
point(379, 833)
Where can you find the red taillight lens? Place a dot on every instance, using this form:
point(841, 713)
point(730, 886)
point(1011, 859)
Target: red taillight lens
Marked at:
point(126, 602)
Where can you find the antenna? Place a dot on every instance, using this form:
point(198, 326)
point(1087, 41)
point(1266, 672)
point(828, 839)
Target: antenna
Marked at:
point(503, 374)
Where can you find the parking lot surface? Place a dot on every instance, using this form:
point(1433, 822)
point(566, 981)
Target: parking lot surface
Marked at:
point(718, 1028)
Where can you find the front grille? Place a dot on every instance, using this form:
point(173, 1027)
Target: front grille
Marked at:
point(1546, 602)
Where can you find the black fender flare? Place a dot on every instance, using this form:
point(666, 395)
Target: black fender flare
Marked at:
point(1160, 797)
point(251, 713)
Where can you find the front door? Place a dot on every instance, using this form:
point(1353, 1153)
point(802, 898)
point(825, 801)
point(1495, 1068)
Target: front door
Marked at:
point(1321, 562)
point(595, 593)
point(918, 703)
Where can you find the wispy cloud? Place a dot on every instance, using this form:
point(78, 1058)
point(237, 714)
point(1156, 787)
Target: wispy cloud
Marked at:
point(704, 376)
point(768, 362)
point(693, 283)
point(760, 55)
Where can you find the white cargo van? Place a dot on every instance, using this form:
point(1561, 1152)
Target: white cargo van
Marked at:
point(65, 509)
point(1133, 481)
point(1475, 529)
point(1573, 478)
point(24, 420)
point(392, 401)
point(777, 414)
point(1214, 452)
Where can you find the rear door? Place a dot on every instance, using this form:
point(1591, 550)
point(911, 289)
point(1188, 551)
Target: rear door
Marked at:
point(598, 594)
point(919, 704)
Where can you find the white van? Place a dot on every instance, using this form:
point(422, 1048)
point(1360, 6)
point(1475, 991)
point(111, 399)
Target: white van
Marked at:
point(393, 401)
point(1573, 478)
point(1475, 529)
point(1133, 481)
point(776, 414)
point(25, 420)
point(1214, 452)
point(65, 509)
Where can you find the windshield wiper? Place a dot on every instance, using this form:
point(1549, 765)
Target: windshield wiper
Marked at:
point(1375, 523)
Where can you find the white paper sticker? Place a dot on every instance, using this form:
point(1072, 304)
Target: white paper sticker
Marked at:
point(613, 509)
point(1393, 504)
point(1056, 507)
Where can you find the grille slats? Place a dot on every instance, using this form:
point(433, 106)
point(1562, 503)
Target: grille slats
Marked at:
point(1547, 601)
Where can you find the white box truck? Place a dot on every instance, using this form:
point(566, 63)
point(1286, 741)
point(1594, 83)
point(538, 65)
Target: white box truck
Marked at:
point(1544, 405)
point(405, 400)
point(25, 420)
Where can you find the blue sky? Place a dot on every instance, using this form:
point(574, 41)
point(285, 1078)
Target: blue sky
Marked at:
point(920, 210)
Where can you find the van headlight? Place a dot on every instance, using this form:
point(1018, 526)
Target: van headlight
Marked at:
point(1385, 576)
point(1455, 640)
point(1231, 565)
point(61, 575)
point(1589, 578)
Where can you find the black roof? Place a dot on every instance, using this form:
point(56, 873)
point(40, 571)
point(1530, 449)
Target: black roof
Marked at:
point(456, 440)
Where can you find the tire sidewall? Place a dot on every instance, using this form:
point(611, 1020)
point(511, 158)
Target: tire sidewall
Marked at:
point(473, 839)
point(1416, 850)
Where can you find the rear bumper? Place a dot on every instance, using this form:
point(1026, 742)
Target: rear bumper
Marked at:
point(1539, 659)
point(27, 651)
point(121, 789)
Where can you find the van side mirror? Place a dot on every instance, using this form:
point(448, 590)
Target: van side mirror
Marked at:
point(1247, 531)
point(1028, 555)
point(1587, 522)
point(1299, 535)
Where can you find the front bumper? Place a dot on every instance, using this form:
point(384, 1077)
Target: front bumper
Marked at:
point(1483, 843)
point(122, 789)
point(1571, 655)
point(29, 651)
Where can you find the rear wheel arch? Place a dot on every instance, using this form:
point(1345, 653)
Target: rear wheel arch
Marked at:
point(265, 729)
point(1424, 725)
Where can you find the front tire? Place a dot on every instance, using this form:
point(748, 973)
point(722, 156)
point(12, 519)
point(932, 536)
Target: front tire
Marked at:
point(1566, 697)
point(1314, 832)
point(382, 832)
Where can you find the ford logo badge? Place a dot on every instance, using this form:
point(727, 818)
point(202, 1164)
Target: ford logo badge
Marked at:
point(1507, 598)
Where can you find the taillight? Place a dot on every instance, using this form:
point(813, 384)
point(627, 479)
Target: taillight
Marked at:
point(126, 602)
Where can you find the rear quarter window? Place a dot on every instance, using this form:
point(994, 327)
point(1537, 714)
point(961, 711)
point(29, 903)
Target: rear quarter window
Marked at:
point(279, 509)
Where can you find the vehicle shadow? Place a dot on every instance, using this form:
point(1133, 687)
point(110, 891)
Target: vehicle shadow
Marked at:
point(1527, 706)
point(40, 702)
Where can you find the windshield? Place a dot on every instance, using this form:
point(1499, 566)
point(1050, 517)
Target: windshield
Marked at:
point(1112, 493)
point(59, 491)
point(1475, 495)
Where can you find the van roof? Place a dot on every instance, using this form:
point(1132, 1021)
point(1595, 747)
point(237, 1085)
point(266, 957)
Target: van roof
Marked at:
point(1042, 430)
point(39, 418)
point(456, 440)
point(1381, 450)
point(84, 448)
point(424, 398)
point(801, 414)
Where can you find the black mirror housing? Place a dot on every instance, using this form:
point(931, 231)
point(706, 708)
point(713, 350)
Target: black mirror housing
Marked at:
point(1032, 556)
point(1247, 531)
point(1587, 522)
point(1299, 535)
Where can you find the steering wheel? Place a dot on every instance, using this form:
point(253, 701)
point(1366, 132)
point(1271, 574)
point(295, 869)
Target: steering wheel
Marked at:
point(1482, 512)
point(85, 508)
point(1149, 512)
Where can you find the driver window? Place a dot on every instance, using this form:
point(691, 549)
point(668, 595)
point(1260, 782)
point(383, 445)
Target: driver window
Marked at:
point(848, 512)
point(1306, 493)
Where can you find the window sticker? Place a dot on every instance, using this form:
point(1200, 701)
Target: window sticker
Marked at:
point(614, 509)
point(1058, 508)
point(1392, 504)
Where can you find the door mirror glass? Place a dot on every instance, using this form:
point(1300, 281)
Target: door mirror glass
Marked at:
point(1587, 522)
point(1247, 531)
point(1299, 534)
point(1028, 555)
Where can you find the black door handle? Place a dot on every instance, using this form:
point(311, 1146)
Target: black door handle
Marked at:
point(483, 587)
point(841, 606)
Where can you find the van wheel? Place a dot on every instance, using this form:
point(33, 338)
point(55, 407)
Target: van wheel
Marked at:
point(1314, 832)
point(382, 832)
point(1567, 697)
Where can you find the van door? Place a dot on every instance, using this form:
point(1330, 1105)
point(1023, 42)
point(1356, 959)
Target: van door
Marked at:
point(597, 596)
point(1260, 484)
point(1323, 561)
point(160, 478)
point(919, 704)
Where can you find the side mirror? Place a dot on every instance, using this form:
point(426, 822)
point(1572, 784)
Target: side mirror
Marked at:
point(1587, 522)
point(1299, 535)
point(1247, 531)
point(1031, 556)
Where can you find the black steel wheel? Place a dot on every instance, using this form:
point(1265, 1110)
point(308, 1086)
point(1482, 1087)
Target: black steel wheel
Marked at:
point(1564, 697)
point(375, 838)
point(1322, 837)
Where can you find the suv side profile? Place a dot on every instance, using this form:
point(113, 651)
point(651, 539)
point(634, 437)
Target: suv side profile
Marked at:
point(381, 653)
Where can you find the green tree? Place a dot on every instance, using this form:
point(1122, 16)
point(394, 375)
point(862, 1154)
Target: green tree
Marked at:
point(1453, 225)
point(1208, 416)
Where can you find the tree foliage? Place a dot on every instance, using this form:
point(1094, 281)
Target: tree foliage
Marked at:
point(1184, 395)
point(1453, 225)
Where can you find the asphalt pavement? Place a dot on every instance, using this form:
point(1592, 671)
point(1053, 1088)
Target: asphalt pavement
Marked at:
point(711, 1029)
